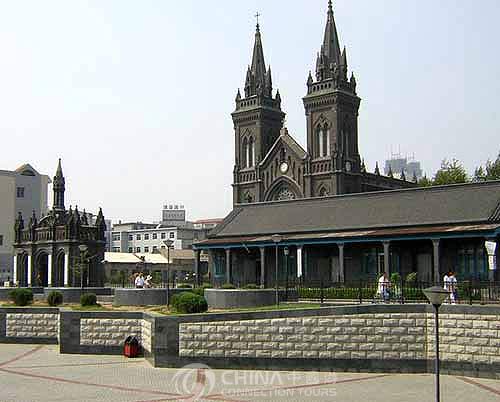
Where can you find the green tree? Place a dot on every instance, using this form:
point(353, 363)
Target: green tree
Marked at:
point(490, 172)
point(425, 182)
point(451, 172)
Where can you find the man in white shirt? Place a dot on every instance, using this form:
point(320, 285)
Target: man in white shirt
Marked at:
point(383, 287)
point(450, 284)
point(139, 281)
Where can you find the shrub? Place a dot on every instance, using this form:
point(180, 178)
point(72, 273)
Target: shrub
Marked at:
point(55, 298)
point(251, 287)
point(21, 297)
point(395, 278)
point(201, 290)
point(228, 286)
point(184, 286)
point(189, 303)
point(88, 299)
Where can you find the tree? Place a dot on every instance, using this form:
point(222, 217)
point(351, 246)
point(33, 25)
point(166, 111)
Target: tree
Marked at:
point(490, 172)
point(451, 172)
point(425, 182)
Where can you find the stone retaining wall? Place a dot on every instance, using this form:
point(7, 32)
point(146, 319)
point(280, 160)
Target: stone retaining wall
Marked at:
point(364, 336)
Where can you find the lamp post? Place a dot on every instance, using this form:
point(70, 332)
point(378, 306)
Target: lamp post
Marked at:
point(168, 243)
point(83, 250)
point(276, 238)
point(436, 296)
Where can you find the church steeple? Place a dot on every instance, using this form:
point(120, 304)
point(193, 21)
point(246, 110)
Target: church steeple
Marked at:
point(258, 81)
point(59, 187)
point(330, 55)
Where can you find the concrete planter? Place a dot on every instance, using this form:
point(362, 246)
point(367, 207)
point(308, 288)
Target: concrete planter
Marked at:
point(72, 295)
point(244, 298)
point(144, 297)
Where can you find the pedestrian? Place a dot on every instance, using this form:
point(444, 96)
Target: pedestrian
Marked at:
point(139, 281)
point(383, 287)
point(147, 282)
point(450, 284)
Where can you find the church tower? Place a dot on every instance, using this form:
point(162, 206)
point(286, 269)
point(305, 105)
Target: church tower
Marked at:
point(59, 188)
point(257, 121)
point(331, 106)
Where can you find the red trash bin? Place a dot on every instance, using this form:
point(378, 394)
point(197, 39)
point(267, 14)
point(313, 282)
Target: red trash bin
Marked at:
point(131, 347)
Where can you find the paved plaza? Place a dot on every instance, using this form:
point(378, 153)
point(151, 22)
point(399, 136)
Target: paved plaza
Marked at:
point(40, 373)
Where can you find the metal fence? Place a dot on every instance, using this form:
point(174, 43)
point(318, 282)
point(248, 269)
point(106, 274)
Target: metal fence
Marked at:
point(362, 291)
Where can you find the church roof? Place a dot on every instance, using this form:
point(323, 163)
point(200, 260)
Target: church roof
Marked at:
point(466, 204)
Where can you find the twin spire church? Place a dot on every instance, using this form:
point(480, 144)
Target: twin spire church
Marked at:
point(270, 165)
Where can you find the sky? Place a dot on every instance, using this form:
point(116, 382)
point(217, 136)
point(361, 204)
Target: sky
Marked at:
point(136, 96)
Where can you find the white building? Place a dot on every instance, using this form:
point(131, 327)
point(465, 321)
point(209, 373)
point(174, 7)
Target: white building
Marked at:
point(22, 190)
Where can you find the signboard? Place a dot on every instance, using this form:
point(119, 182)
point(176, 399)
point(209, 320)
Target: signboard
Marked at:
point(491, 247)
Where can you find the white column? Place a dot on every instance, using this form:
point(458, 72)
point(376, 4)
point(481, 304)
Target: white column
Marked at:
point(49, 270)
point(14, 274)
point(66, 269)
point(30, 269)
point(299, 262)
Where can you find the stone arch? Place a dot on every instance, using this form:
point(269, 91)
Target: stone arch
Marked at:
point(41, 269)
point(323, 191)
point(22, 269)
point(58, 276)
point(282, 186)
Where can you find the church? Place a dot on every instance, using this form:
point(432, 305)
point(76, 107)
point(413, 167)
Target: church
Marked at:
point(318, 215)
point(270, 165)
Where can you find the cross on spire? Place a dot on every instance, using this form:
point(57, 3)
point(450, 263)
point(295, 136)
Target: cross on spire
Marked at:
point(257, 15)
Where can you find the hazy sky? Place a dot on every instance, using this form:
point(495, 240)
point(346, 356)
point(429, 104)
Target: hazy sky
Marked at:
point(136, 96)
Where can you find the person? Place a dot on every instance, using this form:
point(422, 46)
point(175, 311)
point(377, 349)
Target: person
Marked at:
point(139, 281)
point(147, 282)
point(383, 287)
point(450, 284)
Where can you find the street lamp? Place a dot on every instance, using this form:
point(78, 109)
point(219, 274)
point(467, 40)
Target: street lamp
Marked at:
point(168, 243)
point(276, 238)
point(436, 296)
point(83, 250)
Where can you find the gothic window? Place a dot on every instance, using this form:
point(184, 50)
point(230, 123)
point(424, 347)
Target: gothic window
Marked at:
point(245, 153)
point(285, 194)
point(322, 141)
point(251, 152)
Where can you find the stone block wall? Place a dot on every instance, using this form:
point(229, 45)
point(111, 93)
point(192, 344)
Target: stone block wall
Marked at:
point(146, 338)
point(466, 338)
point(399, 336)
point(108, 331)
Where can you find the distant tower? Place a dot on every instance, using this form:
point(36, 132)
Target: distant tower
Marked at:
point(59, 187)
point(331, 106)
point(257, 120)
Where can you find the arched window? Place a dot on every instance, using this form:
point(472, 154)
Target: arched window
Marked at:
point(323, 141)
point(320, 142)
point(245, 153)
point(251, 153)
point(328, 146)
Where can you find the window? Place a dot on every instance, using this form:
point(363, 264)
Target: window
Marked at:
point(116, 237)
point(138, 250)
point(155, 248)
point(146, 236)
point(116, 249)
point(130, 250)
point(20, 192)
point(246, 156)
point(163, 236)
point(155, 236)
point(1, 240)
point(171, 235)
point(138, 237)
point(146, 249)
point(130, 237)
